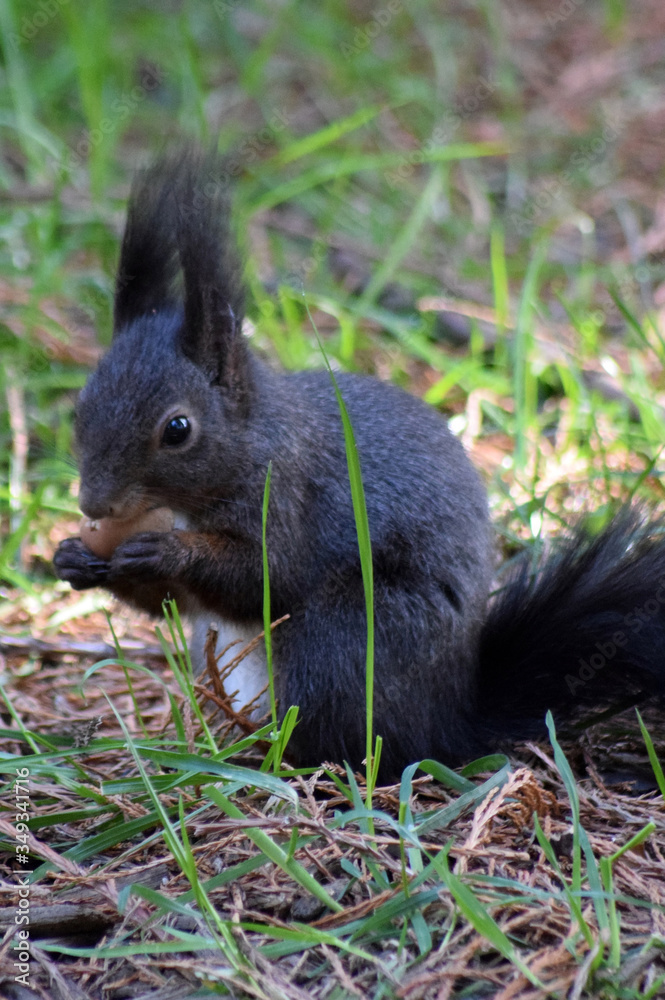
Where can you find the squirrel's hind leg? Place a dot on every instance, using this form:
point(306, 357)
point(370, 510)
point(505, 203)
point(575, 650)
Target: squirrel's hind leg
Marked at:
point(421, 647)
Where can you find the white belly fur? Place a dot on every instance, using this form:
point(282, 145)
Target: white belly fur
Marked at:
point(250, 675)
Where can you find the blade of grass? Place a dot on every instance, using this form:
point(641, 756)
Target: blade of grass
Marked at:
point(524, 382)
point(501, 292)
point(267, 631)
point(653, 757)
point(273, 758)
point(404, 241)
point(324, 137)
point(242, 776)
point(274, 852)
point(346, 166)
point(564, 770)
point(481, 919)
point(181, 851)
point(573, 898)
point(606, 865)
point(580, 841)
point(366, 565)
point(17, 81)
point(180, 663)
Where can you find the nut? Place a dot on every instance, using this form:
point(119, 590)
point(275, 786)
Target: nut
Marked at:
point(104, 536)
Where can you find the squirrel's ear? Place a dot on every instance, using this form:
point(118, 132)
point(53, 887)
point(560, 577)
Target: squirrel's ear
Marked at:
point(213, 286)
point(149, 263)
point(178, 245)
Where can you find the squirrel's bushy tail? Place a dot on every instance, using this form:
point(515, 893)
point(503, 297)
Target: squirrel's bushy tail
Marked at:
point(587, 631)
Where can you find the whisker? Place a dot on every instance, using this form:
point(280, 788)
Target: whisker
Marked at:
point(192, 503)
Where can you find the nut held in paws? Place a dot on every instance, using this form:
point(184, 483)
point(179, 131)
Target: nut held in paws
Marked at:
point(104, 536)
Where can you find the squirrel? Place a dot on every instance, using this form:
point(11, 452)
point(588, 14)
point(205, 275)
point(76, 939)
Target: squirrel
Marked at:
point(180, 413)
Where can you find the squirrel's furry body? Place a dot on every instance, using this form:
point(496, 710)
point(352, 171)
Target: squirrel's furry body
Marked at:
point(452, 678)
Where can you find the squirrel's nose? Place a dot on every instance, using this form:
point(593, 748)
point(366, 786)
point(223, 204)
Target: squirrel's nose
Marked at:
point(96, 506)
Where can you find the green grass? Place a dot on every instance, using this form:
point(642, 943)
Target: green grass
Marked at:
point(168, 770)
point(351, 134)
point(80, 72)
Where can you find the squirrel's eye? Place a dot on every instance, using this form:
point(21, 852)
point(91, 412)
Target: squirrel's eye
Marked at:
point(176, 431)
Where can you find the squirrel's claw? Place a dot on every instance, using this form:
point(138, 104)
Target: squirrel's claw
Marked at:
point(147, 555)
point(78, 566)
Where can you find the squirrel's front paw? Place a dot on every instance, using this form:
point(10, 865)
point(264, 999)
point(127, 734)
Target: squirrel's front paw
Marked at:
point(80, 567)
point(148, 555)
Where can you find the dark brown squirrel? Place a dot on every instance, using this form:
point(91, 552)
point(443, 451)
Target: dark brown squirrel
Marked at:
point(180, 413)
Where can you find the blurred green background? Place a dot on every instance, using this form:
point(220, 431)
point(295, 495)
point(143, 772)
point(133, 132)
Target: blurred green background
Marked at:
point(506, 158)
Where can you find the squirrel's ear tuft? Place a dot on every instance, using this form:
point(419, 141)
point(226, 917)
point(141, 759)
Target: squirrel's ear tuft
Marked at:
point(149, 264)
point(211, 271)
point(178, 249)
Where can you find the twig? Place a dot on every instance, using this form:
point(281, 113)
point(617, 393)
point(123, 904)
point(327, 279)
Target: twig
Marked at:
point(10, 644)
